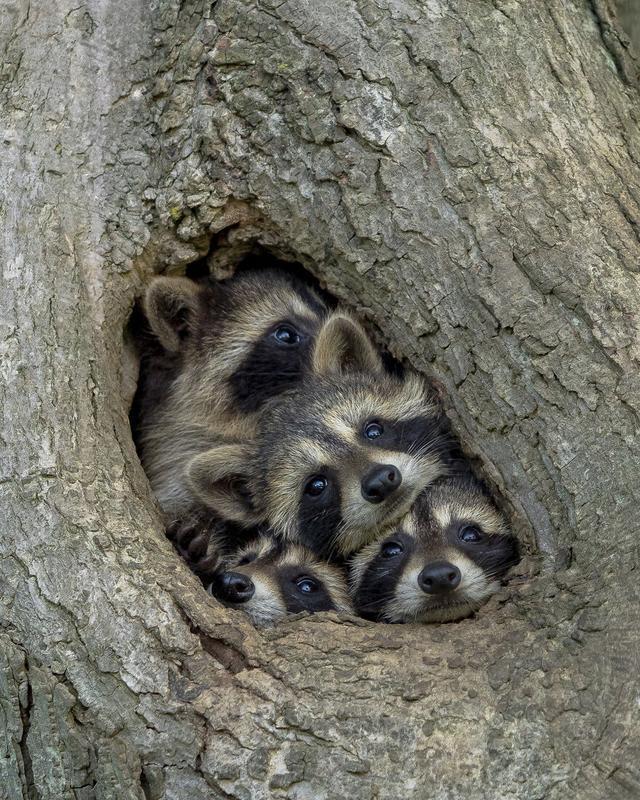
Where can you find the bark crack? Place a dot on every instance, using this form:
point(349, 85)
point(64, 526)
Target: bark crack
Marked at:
point(26, 711)
point(616, 47)
point(230, 657)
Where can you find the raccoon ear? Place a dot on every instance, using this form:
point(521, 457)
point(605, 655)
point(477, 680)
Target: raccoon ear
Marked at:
point(343, 346)
point(170, 305)
point(220, 479)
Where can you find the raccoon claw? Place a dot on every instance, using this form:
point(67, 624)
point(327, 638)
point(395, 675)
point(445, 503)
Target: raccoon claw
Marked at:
point(197, 547)
point(208, 566)
point(181, 534)
point(198, 556)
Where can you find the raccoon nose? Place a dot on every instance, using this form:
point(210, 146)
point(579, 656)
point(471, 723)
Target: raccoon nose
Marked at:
point(381, 481)
point(439, 578)
point(235, 587)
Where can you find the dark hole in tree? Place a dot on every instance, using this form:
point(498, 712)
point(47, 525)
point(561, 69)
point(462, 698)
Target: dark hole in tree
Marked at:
point(257, 259)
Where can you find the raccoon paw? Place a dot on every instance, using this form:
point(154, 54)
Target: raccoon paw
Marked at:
point(198, 547)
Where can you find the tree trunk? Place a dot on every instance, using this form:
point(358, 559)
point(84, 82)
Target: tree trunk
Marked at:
point(465, 175)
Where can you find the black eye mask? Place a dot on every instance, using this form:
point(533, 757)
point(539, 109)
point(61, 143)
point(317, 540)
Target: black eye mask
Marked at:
point(494, 554)
point(319, 516)
point(380, 578)
point(296, 600)
point(274, 364)
point(409, 435)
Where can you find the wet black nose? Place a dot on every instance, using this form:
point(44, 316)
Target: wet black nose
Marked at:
point(381, 481)
point(234, 587)
point(439, 578)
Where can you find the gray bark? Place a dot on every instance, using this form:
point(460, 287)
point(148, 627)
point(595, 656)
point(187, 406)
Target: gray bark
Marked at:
point(627, 27)
point(466, 175)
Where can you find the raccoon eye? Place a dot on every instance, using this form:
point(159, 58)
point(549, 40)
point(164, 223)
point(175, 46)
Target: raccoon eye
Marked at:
point(247, 559)
point(306, 585)
point(285, 334)
point(469, 534)
point(316, 485)
point(391, 549)
point(373, 430)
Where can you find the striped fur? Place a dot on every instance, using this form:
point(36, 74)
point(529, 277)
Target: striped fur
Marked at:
point(210, 361)
point(320, 429)
point(385, 576)
point(287, 579)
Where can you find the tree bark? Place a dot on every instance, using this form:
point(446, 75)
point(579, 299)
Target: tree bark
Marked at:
point(466, 176)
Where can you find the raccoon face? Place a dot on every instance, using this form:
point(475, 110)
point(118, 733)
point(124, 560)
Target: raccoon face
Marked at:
point(441, 564)
point(342, 456)
point(251, 333)
point(220, 351)
point(268, 580)
point(352, 459)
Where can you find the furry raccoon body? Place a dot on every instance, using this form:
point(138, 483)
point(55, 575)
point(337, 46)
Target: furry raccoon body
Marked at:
point(441, 563)
point(213, 355)
point(339, 457)
point(352, 461)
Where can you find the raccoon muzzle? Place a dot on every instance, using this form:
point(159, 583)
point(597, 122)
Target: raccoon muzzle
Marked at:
point(439, 577)
point(381, 481)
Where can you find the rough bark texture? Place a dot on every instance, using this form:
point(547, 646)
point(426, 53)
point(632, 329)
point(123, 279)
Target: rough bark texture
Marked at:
point(465, 174)
point(627, 14)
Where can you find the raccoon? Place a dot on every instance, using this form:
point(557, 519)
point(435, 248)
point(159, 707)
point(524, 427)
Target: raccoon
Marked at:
point(442, 562)
point(337, 459)
point(214, 354)
point(269, 579)
point(203, 539)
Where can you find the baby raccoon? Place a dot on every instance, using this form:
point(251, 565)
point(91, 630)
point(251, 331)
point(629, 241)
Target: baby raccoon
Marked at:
point(340, 457)
point(215, 353)
point(442, 563)
point(269, 579)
